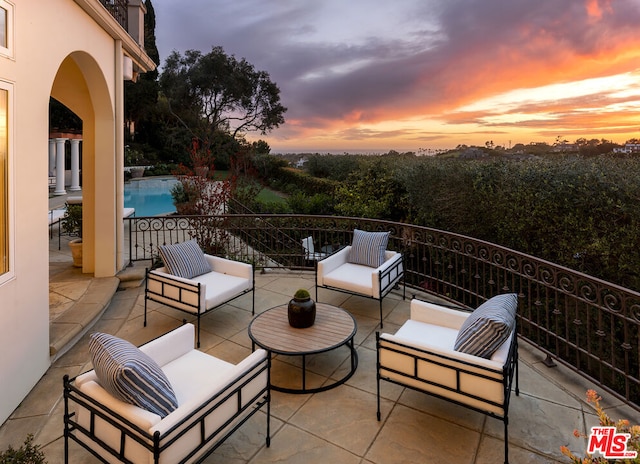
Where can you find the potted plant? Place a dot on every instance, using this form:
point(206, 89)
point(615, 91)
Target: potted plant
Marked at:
point(135, 160)
point(72, 225)
point(301, 310)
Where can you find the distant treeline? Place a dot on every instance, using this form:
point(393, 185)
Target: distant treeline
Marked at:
point(583, 213)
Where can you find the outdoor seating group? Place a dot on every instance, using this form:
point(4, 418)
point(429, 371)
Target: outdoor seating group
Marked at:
point(188, 402)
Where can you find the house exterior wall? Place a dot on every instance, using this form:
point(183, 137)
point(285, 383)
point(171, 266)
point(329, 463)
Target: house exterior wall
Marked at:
point(58, 50)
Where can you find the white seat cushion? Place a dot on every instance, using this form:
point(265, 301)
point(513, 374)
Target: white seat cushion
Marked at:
point(443, 339)
point(195, 365)
point(433, 335)
point(221, 287)
point(352, 277)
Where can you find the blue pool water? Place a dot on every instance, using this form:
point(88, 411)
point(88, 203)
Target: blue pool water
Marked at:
point(149, 197)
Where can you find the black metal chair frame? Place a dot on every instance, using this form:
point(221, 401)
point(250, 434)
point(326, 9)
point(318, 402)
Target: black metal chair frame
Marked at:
point(384, 290)
point(186, 287)
point(152, 442)
point(509, 370)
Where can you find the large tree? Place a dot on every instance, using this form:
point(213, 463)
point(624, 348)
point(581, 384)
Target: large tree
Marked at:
point(217, 92)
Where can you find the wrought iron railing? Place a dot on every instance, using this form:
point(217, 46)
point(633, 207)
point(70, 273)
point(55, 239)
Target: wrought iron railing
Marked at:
point(118, 9)
point(588, 324)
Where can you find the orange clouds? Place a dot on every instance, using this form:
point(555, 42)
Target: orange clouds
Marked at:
point(436, 73)
point(594, 10)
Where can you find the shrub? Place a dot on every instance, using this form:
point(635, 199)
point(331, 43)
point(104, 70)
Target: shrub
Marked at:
point(72, 220)
point(319, 203)
point(575, 212)
point(28, 453)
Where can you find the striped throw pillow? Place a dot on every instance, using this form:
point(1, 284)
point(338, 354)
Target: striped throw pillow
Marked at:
point(130, 375)
point(184, 259)
point(488, 326)
point(368, 248)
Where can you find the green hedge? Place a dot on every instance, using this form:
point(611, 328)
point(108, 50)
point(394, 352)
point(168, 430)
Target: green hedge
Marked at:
point(581, 213)
point(293, 180)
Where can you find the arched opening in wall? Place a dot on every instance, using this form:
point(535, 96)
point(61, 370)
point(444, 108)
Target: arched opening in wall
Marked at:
point(83, 128)
point(83, 109)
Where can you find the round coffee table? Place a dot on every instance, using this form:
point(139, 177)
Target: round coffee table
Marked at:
point(334, 327)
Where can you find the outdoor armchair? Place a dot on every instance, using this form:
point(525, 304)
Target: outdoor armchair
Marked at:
point(466, 358)
point(364, 268)
point(210, 399)
point(310, 253)
point(197, 283)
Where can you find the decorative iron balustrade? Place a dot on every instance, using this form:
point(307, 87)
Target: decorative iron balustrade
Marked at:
point(590, 325)
point(118, 9)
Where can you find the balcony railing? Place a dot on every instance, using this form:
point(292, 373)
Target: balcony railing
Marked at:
point(588, 324)
point(118, 9)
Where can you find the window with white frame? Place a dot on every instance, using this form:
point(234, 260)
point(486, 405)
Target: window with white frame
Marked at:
point(6, 28)
point(5, 221)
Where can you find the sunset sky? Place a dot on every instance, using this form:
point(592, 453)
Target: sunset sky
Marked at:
point(374, 76)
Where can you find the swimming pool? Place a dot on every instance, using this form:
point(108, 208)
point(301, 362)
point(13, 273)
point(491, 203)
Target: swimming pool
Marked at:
point(150, 197)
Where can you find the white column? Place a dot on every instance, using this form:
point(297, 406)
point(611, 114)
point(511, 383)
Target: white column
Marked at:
point(60, 167)
point(52, 157)
point(75, 165)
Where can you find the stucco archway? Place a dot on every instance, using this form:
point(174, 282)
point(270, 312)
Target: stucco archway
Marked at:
point(81, 85)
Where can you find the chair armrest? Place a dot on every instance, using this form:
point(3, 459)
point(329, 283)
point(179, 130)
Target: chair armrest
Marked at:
point(391, 259)
point(228, 266)
point(333, 261)
point(175, 291)
point(109, 405)
point(430, 313)
point(242, 378)
point(384, 277)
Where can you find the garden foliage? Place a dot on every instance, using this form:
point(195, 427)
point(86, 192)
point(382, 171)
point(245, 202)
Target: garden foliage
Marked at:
point(578, 212)
point(199, 193)
point(28, 453)
point(581, 213)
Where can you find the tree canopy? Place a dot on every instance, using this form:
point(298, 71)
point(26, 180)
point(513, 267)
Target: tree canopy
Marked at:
point(217, 92)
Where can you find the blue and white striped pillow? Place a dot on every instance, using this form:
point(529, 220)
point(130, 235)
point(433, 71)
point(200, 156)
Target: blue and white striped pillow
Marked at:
point(368, 248)
point(184, 259)
point(488, 326)
point(130, 375)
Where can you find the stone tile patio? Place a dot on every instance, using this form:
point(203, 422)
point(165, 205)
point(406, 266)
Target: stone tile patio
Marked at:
point(338, 425)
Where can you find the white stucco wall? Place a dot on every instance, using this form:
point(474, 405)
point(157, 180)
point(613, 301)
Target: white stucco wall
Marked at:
point(47, 32)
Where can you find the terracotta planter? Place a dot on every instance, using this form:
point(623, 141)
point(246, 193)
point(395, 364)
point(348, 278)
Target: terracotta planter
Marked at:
point(301, 312)
point(76, 251)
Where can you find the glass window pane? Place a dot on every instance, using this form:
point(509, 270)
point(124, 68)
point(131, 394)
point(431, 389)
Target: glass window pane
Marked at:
point(3, 27)
point(4, 193)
